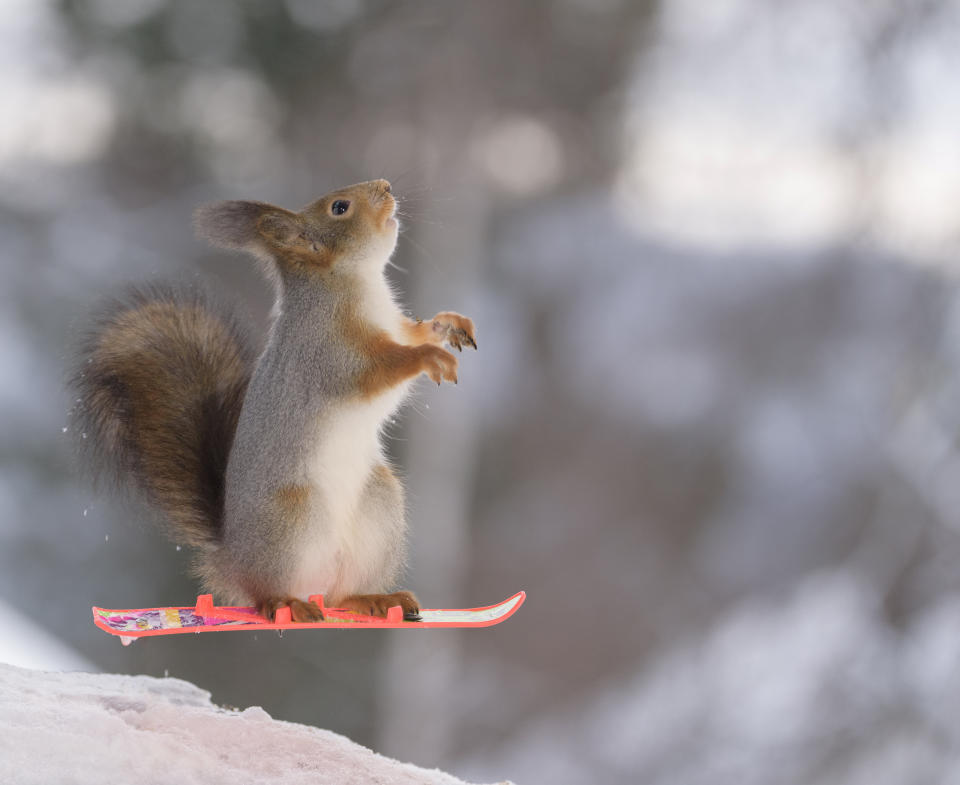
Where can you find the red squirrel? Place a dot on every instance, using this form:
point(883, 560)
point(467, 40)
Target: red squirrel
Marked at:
point(272, 467)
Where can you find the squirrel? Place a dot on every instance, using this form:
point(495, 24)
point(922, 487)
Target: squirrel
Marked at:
point(272, 467)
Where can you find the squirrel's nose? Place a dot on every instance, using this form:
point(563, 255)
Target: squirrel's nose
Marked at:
point(383, 186)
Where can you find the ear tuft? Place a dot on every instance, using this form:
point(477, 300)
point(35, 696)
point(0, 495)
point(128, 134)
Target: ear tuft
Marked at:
point(230, 224)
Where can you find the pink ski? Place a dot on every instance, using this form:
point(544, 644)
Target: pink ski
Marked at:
point(207, 617)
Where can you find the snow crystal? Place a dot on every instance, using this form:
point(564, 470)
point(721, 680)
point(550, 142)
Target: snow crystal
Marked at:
point(96, 728)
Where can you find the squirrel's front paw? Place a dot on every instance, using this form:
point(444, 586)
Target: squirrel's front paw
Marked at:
point(439, 364)
point(455, 329)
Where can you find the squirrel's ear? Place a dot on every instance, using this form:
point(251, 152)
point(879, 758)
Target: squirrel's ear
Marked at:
point(243, 225)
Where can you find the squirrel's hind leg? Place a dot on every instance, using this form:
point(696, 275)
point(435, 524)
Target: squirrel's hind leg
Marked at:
point(381, 518)
point(300, 611)
point(379, 604)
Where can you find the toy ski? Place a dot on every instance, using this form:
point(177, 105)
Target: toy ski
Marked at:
point(207, 617)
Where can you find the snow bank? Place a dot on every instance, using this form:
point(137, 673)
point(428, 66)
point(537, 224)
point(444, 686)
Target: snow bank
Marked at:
point(93, 728)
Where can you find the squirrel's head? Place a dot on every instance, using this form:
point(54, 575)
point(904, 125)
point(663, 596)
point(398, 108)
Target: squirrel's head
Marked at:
point(352, 230)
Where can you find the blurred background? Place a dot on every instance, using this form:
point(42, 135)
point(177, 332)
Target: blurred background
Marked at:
point(711, 428)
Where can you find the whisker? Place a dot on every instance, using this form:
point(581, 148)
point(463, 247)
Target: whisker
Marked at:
point(415, 244)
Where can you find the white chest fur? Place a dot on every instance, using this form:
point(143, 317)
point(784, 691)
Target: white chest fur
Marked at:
point(340, 550)
point(347, 449)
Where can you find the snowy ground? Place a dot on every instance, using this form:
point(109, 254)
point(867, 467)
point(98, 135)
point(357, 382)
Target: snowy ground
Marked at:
point(94, 728)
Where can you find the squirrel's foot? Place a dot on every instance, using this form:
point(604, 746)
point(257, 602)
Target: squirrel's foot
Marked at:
point(300, 611)
point(379, 604)
point(439, 364)
point(454, 329)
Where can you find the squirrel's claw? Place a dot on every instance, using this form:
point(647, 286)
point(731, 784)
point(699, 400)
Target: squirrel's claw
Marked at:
point(454, 328)
point(459, 337)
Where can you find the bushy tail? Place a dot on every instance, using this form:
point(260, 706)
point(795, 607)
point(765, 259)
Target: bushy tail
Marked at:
point(158, 383)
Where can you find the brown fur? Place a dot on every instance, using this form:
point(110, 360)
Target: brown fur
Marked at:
point(384, 473)
point(160, 381)
point(391, 363)
point(303, 243)
point(379, 604)
point(388, 363)
point(300, 610)
point(293, 499)
point(446, 327)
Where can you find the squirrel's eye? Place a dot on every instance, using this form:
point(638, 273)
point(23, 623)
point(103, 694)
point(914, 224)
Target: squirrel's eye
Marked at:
point(339, 207)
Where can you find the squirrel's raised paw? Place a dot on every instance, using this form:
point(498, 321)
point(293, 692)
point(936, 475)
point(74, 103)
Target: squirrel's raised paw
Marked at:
point(300, 611)
point(439, 364)
point(455, 329)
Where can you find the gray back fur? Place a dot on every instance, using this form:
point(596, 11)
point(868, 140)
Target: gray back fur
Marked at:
point(304, 371)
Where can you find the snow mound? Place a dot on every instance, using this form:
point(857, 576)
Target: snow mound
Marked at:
point(94, 728)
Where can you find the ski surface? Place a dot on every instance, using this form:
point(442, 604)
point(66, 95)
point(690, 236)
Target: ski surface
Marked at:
point(206, 617)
